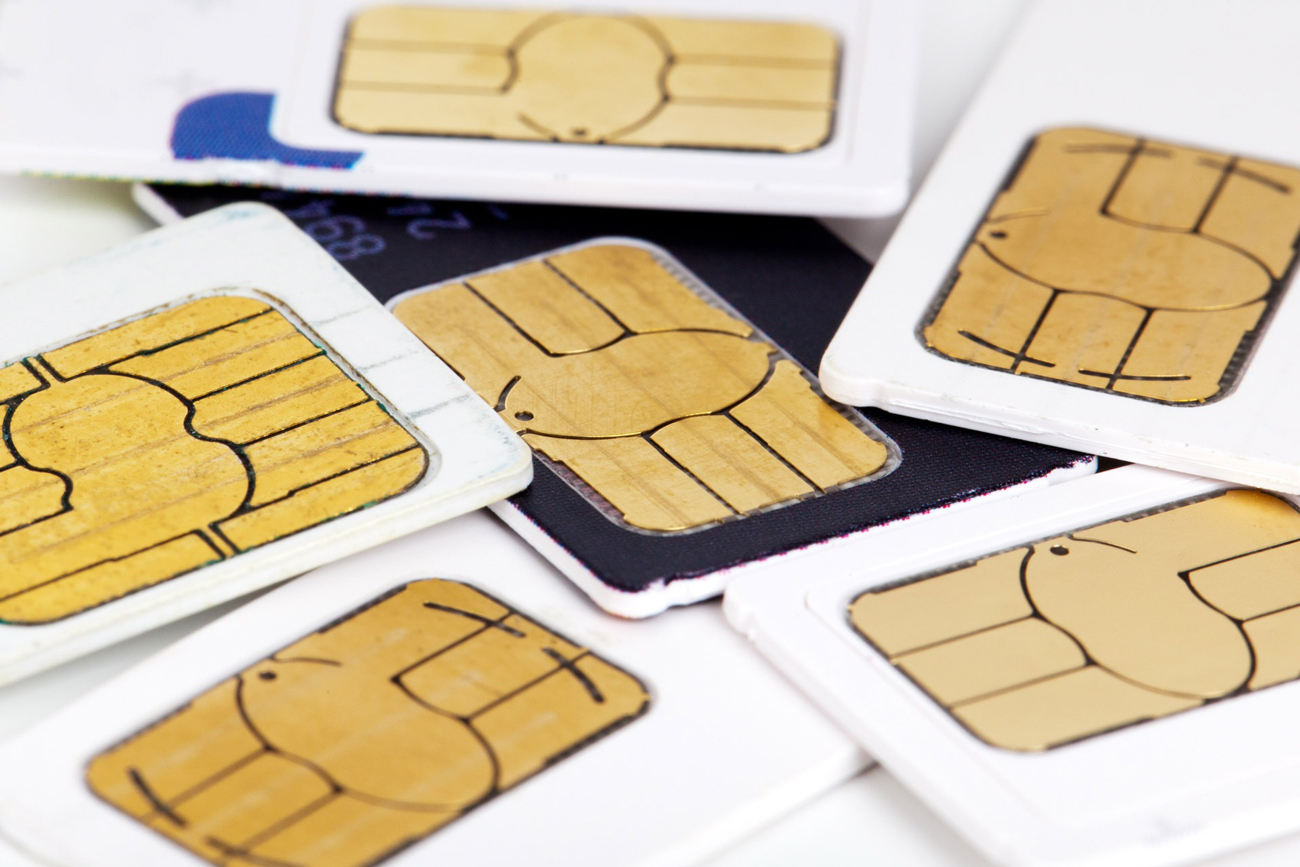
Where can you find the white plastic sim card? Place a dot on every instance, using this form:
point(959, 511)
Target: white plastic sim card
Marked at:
point(736, 105)
point(1102, 257)
point(206, 410)
point(445, 699)
point(1102, 672)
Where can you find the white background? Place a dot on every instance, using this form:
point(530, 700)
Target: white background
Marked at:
point(871, 820)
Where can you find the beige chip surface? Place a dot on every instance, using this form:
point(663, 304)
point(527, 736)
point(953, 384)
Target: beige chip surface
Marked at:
point(177, 440)
point(587, 78)
point(667, 411)
point(1104, 627)
point(1123, 264)
point(368, 735)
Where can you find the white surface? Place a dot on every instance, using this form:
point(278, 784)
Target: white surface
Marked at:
point(1162, 792)
point(1116, 65)
point(661, 790)
point(151, 57)
point(473, 458)
point(871, 820)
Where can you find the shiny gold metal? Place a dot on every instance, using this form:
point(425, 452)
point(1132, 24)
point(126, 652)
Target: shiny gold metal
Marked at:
point(1123, 264)
point(588, 79)
point(174, 441)
point(364, 737)
point(672, 412)
point(1126, 621)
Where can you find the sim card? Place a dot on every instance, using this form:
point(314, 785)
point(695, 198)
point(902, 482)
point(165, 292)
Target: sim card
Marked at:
point(660, 368)
point(737, 105)
point(207, 410)
point(1102, 672)
point(1098, 261)
point(446, 698)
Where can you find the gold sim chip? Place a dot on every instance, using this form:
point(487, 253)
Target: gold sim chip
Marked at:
point(368, 735)
point(1108, 626)
point(669, 412)
point(597, 79)
point(173, 441)
point(1126, 265)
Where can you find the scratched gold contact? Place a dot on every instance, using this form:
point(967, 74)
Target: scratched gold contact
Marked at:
point(1125, 265)
point(173, 441)
point(369, 734)
point(619, 79)
point(665, 410)
point(1112, 625)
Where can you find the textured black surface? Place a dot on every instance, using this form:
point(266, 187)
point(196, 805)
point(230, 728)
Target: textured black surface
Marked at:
point(790, 276)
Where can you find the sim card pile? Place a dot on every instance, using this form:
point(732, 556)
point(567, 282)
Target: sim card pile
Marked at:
point(893, 487)
point(1097, 673)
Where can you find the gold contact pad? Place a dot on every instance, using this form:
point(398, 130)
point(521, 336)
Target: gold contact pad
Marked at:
point(594, 79)
point(368, 735)
point(1104, 627)
point(177, 440)
point(672, 411)
point(1125, 265)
